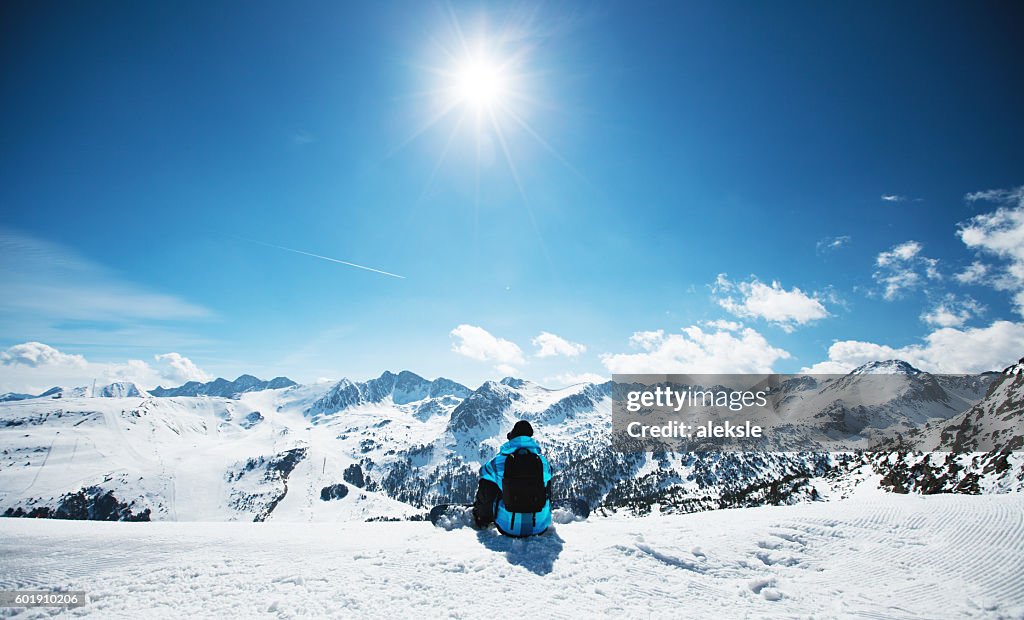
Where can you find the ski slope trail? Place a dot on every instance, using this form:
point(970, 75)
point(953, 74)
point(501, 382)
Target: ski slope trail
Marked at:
point(871, 556)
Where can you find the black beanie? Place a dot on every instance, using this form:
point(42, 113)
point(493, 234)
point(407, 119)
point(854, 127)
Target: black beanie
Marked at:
point(521, 428)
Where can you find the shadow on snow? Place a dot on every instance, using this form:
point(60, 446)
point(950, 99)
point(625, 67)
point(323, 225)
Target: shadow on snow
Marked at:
point(536, 554)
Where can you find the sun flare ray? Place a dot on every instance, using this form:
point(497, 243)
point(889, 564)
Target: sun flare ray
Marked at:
point(485, 92)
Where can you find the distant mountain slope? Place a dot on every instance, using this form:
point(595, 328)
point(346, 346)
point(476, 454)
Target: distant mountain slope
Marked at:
point(223, 387)
point(391, 446)
point(10, 396)
point(401, 389)
point(995, 423)
point(980, 450)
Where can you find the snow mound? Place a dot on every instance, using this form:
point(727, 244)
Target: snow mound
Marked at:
point(456, 517)
point(563, 516)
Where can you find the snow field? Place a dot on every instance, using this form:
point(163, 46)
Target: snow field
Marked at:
point(871, 556)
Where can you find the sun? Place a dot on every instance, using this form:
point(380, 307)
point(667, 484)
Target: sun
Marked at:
point(486, 87)
point(480, 83)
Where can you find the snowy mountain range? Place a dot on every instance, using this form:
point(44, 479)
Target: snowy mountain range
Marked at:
point(976, 451)
point(390, 447)
point(223, 387)
point(124, 389)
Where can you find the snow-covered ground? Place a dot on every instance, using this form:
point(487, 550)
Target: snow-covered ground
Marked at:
point(870, 556)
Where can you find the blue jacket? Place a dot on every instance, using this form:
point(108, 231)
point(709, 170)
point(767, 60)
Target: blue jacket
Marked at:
point(517, 524)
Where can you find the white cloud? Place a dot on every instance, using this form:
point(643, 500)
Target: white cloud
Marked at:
point(33, 367)
point(973, 273)
point(723, 324)
point(479, 344)
point(903, 268)
point(952, 312)
point(999, 233)
point(551, 345)
point(846, 355)
point(784, 308)
point(945, 350)
point(893, 198)
point(944, 316)
point(1015, 195)
point(897, 282)
point(180, 369)
point(572, 378)
point(36, 354)
point(902, 252)
point(829, 244)
point(646, 340)
point(696, 351)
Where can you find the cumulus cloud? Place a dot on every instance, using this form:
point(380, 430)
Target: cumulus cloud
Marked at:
point(952, 311)
point(696, 351)
point(723, 324)
point(944, 316)
point(551, 345)
point(900, 253)
point(999, 233)
point(754, 299)
point(973, 273)
point(903, 268)
point(36, 354)
point(180, 369)
point(945, 350)
point(479, 344)
point(830, 244)
point(32, 367)
point(647, 340)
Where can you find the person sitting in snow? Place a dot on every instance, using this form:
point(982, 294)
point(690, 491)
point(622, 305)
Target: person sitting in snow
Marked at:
point(515, 487)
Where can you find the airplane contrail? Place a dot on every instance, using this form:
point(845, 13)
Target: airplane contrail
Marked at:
point(328, 258)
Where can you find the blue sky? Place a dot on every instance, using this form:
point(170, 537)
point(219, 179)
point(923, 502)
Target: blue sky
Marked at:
point(631, 155)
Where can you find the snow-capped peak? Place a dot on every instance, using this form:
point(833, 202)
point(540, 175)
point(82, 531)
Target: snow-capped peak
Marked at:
point(512, 382)
point(1016, 369)
point(402, 389)
point(223, 387)
point(119, 389)
point(65, 392)
point(888, 367)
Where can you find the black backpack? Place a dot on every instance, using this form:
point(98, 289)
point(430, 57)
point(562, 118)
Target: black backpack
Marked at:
point(522, 488)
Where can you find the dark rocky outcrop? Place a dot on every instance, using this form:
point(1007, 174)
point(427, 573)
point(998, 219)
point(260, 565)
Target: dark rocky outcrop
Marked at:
point(334, 491)
point(88, 504)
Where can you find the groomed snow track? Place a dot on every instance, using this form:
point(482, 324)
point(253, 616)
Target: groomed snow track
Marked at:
point(873, 556)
